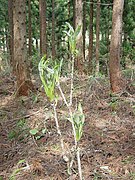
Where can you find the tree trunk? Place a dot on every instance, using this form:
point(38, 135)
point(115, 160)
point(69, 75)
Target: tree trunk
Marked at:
point(74, 14)
point(84, 26)
point(24, 83)
point(43, 37)
point(29, 28)
point(114, 63)
point(91, 38)
point(97, 37)
point(11, 34)
point(79, 46)
point(69, 14)
point(53, 30)
point(108, 30)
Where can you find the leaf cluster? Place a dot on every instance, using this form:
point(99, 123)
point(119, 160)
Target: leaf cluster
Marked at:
point(72, 37)
point(79, 119)
point(49, 74)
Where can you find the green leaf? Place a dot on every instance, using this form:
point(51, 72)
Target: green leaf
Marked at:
point(15, 172)
point(33, 131)
point(44, 131)
point(67, 33)
point(79, 119)
point(80, 108)
point(70, 27)
point(21, 161)
point(37, 137)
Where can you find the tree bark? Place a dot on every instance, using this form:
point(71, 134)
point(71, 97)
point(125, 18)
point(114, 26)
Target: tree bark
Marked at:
point(74, 14)
point(114, 63)
point(29, 28)
point(43, 36)
point(11, 34)
point(91, 38)
point(69, 14)
point(79, 46)
point(108, 30)
point(84, 26)
point(97, 37)
point(53, 30)
point(24, 83)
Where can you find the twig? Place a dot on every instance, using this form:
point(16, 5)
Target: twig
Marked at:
point(34, 141)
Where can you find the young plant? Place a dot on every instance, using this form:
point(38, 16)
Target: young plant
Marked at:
point(19, 169)
point(49, 75)
point(76, 118)
point(72, 38)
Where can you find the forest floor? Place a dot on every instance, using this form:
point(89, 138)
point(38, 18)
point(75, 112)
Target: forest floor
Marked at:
point(108, 141)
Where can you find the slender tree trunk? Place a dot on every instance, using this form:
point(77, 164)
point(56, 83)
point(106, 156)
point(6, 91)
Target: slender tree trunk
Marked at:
point(43, 37)
point(79, 46)
point(40, 15)
point(69, 14)
point(108, 29)
point(29, 28)
point(91, 38)
point(53, 30)
point(24, 83)
point(74, 14)
point(11, 34)
point(84, 26)
point(114, 63)
point(97, 37)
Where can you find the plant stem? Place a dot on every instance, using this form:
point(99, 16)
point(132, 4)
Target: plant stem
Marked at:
point(70, 113)
point(71, 117)
point(74, 132)
point(79, 163)
point(72, 78)
point(58, 130)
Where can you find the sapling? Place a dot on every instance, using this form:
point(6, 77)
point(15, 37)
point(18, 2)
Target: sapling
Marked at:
point(72, 38)
point(77, 118)
point(50, 77)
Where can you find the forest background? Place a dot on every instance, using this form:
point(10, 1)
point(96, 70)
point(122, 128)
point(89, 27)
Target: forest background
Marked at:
point(95, 41)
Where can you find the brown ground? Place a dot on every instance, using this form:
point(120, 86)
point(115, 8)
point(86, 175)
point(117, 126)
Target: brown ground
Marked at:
point(107, 145)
